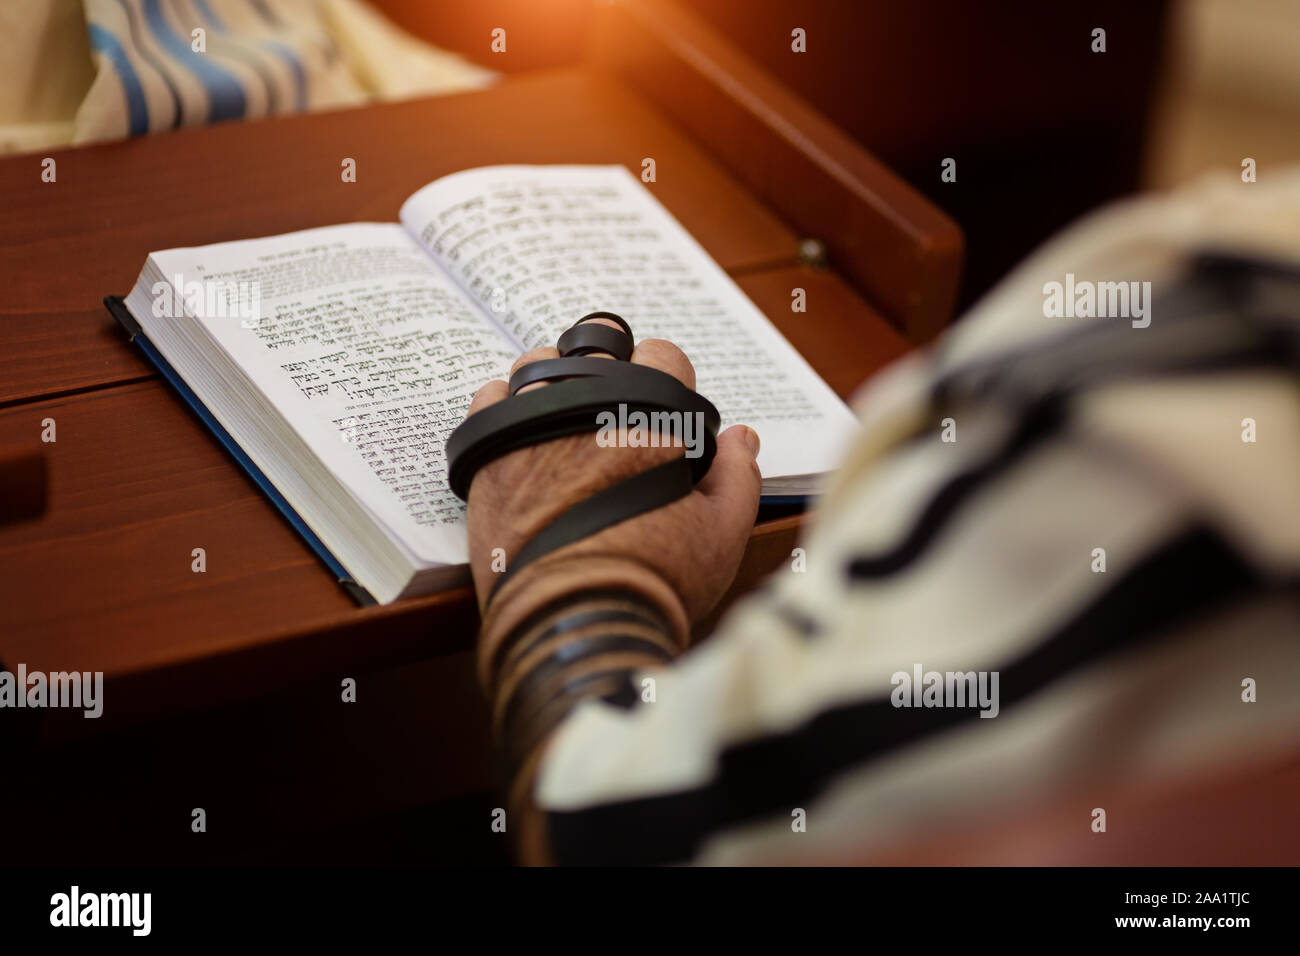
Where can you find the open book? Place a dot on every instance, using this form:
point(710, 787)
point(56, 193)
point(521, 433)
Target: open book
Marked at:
point(336, 361)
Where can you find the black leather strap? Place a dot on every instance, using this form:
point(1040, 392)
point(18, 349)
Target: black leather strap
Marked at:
point(622, 322)
point(583, 339)
point(553, 370)
point(661, 485)
point(570, 408)
point(583, 388)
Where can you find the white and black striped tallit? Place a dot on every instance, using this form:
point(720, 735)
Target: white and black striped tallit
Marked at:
point(977, 555)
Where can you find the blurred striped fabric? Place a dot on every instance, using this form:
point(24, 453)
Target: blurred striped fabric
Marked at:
point(163, 64)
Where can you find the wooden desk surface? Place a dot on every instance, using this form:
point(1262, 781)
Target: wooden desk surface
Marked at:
point(103, 580)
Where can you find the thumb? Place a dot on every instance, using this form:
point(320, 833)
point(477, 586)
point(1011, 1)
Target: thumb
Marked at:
point(734, 483)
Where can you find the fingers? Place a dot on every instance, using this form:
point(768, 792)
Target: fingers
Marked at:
point(734, 482)
point(657, 353)
point(496, 390)
point(534, 355)
point(666, 357)
point(488, 394)
point(539, 354)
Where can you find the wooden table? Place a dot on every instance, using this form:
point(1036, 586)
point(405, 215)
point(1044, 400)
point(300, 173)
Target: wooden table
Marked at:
point(102, 580)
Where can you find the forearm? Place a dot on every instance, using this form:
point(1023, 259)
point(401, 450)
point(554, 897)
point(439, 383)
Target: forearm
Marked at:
point(569, 629)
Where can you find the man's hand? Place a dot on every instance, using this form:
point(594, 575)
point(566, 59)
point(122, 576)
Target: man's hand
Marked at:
point(580, 621)
point(694, 545)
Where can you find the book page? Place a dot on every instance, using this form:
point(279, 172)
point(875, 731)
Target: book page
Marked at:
point(540, 246)
point(371, 354)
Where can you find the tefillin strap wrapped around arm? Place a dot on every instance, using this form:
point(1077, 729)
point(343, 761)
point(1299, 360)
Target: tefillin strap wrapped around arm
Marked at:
point(580, 388)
